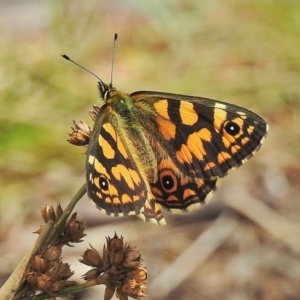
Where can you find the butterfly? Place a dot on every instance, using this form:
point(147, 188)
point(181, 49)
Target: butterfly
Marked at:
point(149, 150)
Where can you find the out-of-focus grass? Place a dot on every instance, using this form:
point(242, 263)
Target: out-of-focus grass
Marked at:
point(242, 52)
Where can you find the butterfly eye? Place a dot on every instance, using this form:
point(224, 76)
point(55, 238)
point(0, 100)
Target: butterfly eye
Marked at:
point(232, 128)
point(168, 181)
point(103, 183)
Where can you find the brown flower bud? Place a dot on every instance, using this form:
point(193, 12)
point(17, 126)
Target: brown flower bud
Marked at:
point(74, 229)
point(53, 269)
point(48, 213)
point(65, 271)
point(128, 285)
point(109, 292)
point(132, 258)
point(31, 278)
point(52, 253)
point(139, 274)
point(115, 246)
point(43, 282)
point(59, 211)
point(132, 289)
point(38, 264)
point(105, 256)
point(91, 257)
point(91, 274)
point(80, 135)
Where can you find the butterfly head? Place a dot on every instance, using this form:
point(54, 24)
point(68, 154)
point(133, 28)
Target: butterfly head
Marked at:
point(105, 90)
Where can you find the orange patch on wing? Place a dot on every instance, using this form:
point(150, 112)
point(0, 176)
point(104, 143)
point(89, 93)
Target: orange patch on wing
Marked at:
point(172, 198)
point(109, 129)
point(245, 140)
point(161, 108)
point(121, 148)
point(187, 113)
point(99, 196)
point(205, 134)
point(195, 145)
point(235, 149)
point(222, 157)
point(220, 116)
point(100, 168)
point(116, 201)
point(107, 200)
point(168, 164)
point(130, 176)
point(96, 182)
point(113, 191)
point(209, 166)
point(227, 140)
point(188, 192)
point(126, 199)
point(156, 191)
point(135, 198)
point(250, 129)
point(199, 183)
point(107, 149)
point(184, 155)
point(135, 177)
point(166, 128)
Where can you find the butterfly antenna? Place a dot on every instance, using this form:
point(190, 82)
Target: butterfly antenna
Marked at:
point(113, 59)
point(80, 66)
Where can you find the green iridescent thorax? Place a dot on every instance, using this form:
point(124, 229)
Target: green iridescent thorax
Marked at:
point(121, 103)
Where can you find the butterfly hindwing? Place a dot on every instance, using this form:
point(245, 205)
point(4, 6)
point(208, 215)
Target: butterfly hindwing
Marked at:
point(175, 190)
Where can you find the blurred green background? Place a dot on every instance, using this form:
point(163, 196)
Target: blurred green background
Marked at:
point(243, 52)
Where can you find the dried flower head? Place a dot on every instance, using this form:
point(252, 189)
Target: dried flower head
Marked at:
point(74, 230)
point(94, 112)
point(50, 214)
point(80, 135)
point(91, 257)
point(119, 268)
point(47, 273)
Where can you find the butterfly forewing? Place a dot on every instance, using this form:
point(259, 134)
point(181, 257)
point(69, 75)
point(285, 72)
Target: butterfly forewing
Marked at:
point(205, 137)
point(114, 182)
point(200, 141)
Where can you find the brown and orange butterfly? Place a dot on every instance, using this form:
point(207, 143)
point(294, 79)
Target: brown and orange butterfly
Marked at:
point(153, 149)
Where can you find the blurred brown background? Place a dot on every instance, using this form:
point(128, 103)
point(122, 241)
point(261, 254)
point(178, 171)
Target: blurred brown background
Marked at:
point(243, 52)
